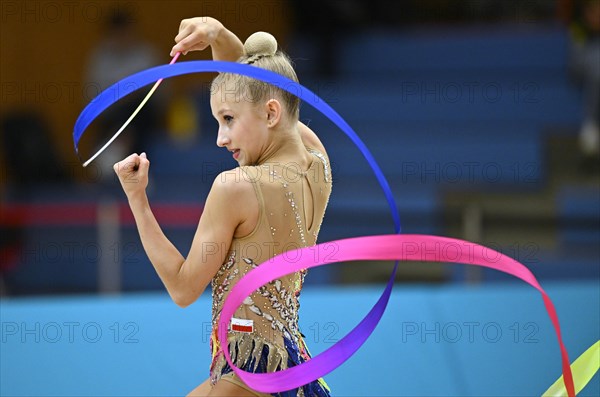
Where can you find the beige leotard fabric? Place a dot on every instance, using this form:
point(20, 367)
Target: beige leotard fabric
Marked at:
point(263, 334)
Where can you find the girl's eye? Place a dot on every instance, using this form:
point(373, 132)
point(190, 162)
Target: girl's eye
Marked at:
point(227, 118)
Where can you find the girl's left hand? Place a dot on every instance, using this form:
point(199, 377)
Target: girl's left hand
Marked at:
point(133, 174)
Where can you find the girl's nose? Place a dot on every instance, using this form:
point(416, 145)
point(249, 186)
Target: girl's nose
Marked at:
point(222, 140)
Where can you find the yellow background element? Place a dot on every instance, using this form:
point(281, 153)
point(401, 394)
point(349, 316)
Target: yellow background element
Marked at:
point(583, 369)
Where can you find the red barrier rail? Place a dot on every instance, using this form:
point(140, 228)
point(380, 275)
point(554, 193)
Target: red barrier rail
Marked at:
point(86, 214)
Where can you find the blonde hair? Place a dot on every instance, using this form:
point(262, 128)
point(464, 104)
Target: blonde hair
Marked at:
point(260, 50)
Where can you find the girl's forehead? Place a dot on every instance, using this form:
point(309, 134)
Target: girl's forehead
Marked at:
point(219, 101)
point(220, 97)
point(230, 103)
point(233, 99)
point(226, 93)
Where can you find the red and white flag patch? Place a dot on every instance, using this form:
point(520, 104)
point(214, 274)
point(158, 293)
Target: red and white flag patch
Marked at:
point(242, 325)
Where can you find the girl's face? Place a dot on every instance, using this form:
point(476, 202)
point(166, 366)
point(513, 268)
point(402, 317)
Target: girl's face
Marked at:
point(242, 126)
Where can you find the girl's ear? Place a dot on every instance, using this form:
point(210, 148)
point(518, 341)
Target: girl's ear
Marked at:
point(273, 108)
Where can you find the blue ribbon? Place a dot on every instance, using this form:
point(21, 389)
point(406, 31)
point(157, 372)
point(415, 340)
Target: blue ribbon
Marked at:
point(360, 333)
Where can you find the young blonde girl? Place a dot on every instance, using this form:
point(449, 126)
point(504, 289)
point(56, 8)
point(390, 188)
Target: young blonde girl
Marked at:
point(273, 202)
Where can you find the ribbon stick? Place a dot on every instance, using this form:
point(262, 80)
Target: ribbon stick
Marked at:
point(135, 112)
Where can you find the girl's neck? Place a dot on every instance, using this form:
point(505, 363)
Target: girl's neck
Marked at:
point(286, 147)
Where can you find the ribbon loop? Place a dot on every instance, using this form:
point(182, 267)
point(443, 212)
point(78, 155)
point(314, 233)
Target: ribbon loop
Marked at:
point(387, 247)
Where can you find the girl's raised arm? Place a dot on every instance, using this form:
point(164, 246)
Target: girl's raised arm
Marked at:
point(195, 34)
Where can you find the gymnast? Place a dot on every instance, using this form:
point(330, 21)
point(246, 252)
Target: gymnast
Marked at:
point(274, 201)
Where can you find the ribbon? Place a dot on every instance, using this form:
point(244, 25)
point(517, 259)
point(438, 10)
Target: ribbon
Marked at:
point(341, 351)
point(126, 123)
point(148, 76)
point(387, 247)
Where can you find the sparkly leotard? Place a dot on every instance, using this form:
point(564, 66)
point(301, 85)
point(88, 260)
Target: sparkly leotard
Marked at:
point(263, 334)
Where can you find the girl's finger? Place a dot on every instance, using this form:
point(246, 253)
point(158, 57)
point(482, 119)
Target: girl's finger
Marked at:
point(143, 165)
point(187, 30)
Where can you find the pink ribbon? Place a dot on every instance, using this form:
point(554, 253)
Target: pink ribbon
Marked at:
point(386, 247)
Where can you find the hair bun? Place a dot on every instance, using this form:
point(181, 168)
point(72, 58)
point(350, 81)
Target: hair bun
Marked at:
point(260, 43)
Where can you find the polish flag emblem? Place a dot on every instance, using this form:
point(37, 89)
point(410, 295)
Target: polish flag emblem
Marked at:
point(242, 325)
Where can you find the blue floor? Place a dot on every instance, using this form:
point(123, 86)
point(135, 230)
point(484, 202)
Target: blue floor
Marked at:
point(488, 340)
